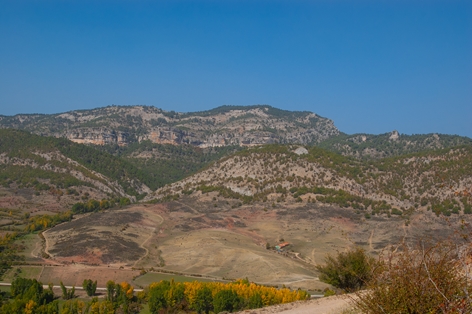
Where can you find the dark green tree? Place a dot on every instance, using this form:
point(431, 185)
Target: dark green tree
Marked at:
point(255, 301)
point(67, 294)
point(349, 270)
point(90, 286)
point(111, 291)
point(226, 300)
point(157, 296)
point(204, 301)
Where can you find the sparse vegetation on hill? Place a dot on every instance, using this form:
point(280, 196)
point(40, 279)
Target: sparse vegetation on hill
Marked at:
point(369, 146)
point(437, 180)
point(9, 251)
point(223, 126)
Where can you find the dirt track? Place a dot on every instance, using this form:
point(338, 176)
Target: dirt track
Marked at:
point(329, 305)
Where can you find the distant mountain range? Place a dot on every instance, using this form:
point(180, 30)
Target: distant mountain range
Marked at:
point(223, 126)
point(250, 154)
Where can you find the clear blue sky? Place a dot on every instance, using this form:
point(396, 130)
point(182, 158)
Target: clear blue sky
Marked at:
point(371, 66)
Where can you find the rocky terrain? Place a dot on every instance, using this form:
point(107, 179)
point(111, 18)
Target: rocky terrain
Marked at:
point(227, 125)
point(240, 126)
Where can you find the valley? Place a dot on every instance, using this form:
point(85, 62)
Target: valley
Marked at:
point(268, 210)
point(193, 237)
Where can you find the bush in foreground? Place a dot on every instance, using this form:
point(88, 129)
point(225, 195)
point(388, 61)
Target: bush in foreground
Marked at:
point(349, 271)
point(429, 278)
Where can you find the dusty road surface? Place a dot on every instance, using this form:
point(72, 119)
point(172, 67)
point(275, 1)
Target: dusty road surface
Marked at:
point(328, 305)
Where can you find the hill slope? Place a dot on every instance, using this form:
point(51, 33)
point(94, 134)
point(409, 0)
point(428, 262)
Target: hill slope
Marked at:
point(390, 144)
point(28, 160)
point(438, 180)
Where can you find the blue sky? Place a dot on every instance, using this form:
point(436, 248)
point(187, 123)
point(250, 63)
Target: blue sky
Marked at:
point(371, 66)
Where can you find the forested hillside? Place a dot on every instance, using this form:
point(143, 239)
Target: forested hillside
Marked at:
point(29, 160)
point(166, 163)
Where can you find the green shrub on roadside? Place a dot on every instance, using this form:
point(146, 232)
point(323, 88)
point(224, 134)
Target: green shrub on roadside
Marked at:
point(349, 271)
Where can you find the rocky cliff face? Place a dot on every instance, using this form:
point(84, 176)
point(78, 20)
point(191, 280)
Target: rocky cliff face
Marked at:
point(247, 126)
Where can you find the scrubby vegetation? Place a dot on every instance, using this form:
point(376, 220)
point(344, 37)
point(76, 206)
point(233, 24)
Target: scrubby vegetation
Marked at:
point(9, 250)
point(369, 146)
point(427, 278)
point(43, 222)
point(435, 180)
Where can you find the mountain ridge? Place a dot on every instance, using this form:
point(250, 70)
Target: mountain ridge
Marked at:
point(224, 126)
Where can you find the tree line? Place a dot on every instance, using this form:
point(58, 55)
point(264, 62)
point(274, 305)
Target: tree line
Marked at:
point(28, 296)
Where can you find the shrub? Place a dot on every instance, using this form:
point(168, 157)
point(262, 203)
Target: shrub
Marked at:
point(349, 270)
point(429, 278)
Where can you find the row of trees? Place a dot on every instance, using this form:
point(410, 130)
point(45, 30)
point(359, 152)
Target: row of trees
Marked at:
point(93, 205)
point(28, 296)
point(43, 222)
point(216, 296)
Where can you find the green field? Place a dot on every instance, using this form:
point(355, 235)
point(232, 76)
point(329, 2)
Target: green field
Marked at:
point(4, 289)
point(30, 241)
point(29, 272)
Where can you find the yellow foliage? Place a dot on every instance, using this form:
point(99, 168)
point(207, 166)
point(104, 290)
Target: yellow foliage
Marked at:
point(30, 306)
point(106, 307)
point(245, 290)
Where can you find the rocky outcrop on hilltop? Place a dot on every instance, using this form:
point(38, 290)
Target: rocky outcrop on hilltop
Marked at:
point(227, 125)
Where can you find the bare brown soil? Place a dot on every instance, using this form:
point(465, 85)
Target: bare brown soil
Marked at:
point(110, 238)
point(211, 237)
point(74, 274)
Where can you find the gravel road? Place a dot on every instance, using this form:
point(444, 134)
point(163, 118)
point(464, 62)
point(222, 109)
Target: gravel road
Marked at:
point(328, 305)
